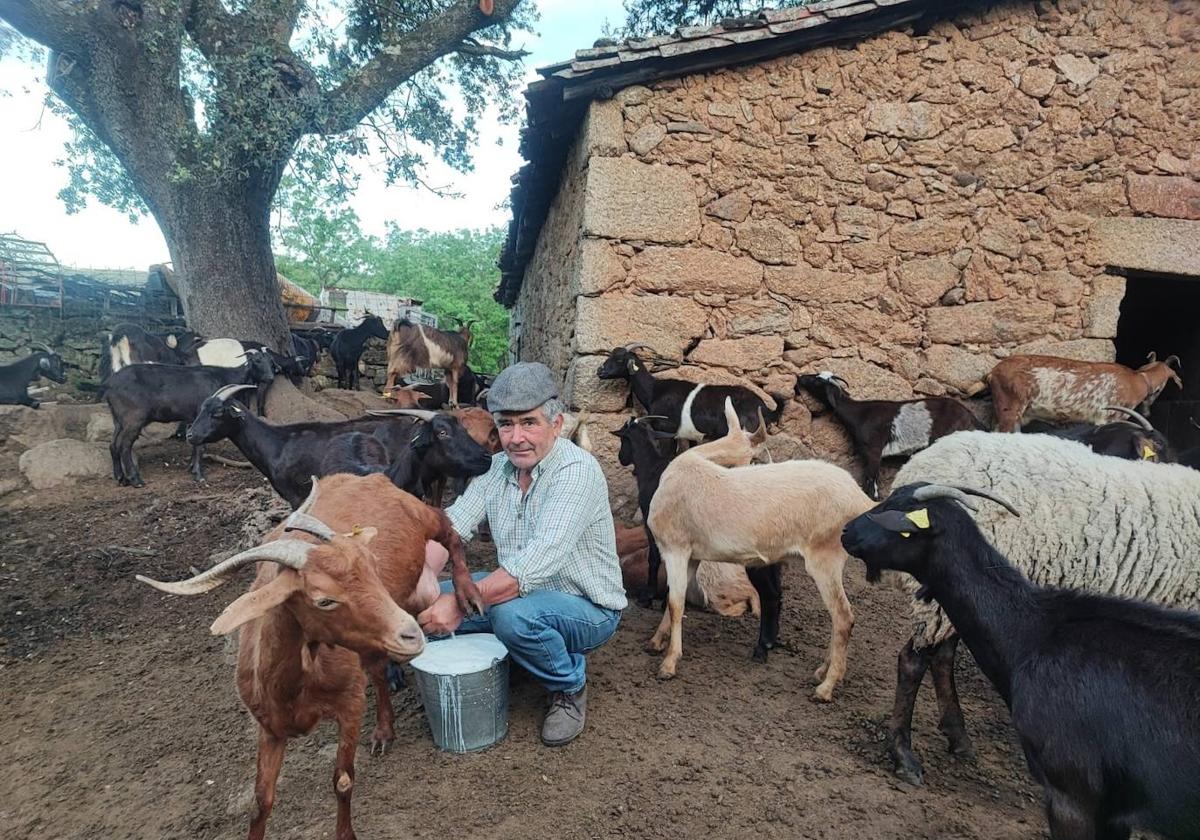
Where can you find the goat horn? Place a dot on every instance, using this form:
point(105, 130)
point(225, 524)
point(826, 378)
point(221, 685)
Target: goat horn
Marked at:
point(227, 391)
point(299, 521)
point(649, 417)
point(955, 492)
point(1151, 356)
point(1133, 415)
point(1192, 420)
point(420, 413)
point(1178, 364)
point(290, 553)
point(637, 345)
point(311, 498)
point(45, 347)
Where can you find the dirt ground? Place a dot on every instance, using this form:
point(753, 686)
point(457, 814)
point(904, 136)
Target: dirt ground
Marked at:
point(120, 718)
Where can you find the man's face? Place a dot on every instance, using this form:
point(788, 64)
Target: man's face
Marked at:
point(527, 437)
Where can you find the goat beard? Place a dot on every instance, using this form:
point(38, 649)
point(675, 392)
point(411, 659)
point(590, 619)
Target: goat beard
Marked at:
point(874, 575)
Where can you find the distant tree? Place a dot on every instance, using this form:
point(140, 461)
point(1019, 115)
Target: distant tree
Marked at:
point(454, 274)
point(656, 17)
point(192, 109)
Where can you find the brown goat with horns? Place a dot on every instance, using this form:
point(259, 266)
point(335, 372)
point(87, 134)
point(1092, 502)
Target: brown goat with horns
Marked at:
point(337, 597)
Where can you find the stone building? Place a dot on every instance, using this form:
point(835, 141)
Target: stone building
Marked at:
point(900, 191)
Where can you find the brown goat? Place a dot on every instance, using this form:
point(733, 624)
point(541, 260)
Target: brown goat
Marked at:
point(338, 596)
point(1065, 390)
point(722, 588)
point(411, 346)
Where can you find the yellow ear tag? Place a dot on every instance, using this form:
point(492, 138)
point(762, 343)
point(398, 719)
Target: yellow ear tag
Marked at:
point(1148, 453)
point(920, 518)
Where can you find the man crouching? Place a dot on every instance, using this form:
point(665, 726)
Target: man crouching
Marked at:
point(557, 593)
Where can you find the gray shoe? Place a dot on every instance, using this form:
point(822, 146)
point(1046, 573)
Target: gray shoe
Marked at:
point(564, 720)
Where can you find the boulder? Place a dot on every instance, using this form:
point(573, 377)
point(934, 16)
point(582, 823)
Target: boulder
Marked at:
point(64, 461)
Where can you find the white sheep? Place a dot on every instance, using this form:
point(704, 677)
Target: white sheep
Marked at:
point(752, 515)
point(1087, 521)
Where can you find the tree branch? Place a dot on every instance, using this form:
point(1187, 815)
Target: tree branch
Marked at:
point(344, 107)
point(57, 24)
point(212, 28)
point(470, 46)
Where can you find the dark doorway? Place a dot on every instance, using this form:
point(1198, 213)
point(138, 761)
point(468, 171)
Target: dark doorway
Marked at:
point(1161, 313)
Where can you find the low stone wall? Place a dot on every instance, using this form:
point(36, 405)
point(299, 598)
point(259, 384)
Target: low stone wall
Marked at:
point(904, 211)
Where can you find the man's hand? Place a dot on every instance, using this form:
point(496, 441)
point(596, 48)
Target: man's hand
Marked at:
point(442, 616)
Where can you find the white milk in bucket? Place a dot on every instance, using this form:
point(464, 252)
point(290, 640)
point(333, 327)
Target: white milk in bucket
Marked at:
point(463, 682)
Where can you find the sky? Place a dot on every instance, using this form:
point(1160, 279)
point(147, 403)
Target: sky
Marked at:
point(31, 140)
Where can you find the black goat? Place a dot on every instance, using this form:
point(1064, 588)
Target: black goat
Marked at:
point(307, 351)
point(690, 411)
point(470, 384)
point(887, 428)
point(289, 455)
point(641, 449)
point(1104, 692)
point(15, 378)
point(347, 348)
point(1137, 441)
point(141, 394)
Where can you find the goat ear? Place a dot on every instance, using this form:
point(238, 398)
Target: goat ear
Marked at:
point(256, 603)
point(731, 417)
point(901, 522)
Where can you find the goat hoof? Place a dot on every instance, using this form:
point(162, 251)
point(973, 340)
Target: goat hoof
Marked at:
point(822, 694)
point(760, 655)
point(913, 777)
point(645, 601)
point(962, 750)
point(663, 676)
point(379, 746)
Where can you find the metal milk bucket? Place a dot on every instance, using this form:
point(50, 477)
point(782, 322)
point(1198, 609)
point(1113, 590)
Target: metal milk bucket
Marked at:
point(463, 682)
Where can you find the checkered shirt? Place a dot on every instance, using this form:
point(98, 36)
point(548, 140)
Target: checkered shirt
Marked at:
point(558, 535)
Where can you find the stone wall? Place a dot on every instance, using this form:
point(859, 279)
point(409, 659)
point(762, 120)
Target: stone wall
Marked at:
point(76, 339)
point(543, 318)
point(904, 211)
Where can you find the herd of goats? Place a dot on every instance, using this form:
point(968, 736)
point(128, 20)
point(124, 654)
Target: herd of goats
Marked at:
point(1066, 557)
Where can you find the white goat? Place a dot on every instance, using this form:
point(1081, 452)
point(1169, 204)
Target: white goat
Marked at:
point(752, 515)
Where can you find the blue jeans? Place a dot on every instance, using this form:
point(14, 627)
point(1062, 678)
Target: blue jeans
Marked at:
point(547, 633)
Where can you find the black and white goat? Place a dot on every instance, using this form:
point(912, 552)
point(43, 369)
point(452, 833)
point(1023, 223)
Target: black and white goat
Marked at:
point(16, 378)
point(410, 451)
point(691, 412)
point(142, 394)
point(887, 428)
point(130, 344)
point(347, 348)
point(230, 352)
point(1104, 692)
point(1133, 441)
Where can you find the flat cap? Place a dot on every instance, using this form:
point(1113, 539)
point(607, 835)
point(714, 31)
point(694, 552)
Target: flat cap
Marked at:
point(522, 387)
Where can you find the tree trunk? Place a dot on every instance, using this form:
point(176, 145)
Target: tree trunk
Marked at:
point(220, 243)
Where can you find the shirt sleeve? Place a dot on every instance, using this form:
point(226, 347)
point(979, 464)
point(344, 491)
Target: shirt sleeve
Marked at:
point(568, 510)
point(470, 508)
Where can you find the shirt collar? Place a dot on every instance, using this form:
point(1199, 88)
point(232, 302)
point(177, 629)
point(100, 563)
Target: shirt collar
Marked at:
point(552, 458)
